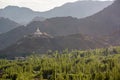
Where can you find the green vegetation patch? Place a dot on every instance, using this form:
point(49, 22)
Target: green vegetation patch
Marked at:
point(97, 64)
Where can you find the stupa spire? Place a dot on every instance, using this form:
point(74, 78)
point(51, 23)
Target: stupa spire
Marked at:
point(38, 32)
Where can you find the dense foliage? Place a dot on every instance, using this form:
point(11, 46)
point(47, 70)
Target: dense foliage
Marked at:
point(98, 64)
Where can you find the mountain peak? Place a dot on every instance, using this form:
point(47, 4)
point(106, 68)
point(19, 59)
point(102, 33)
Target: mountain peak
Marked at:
point(11, 8)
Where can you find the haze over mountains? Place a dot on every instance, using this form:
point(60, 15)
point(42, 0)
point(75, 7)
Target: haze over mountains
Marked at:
point(77, 9)
point(7, 25)
point(68, 32)
point(104, 22)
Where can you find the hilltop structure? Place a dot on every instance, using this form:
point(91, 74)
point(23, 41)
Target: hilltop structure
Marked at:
point(38, 33)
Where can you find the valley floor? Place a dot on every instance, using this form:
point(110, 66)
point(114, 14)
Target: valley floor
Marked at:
point(98, 64)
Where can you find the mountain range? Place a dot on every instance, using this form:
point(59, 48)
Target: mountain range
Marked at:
point(99, 24)
point(99, 30)
point(77, 9)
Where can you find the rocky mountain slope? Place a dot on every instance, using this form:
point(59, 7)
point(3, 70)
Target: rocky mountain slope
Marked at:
point(39, 42)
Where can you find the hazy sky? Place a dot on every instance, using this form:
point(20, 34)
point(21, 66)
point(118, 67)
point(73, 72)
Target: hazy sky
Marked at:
point(37, 5)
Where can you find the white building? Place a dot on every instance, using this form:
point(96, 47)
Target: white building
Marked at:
point(38, 32)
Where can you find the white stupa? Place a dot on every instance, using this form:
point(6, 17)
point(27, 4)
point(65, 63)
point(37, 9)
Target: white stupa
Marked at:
point(38, 32)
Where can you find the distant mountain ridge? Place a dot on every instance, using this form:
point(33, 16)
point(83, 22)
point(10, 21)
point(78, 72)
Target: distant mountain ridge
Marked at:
point(20, 15)
point(7, 25)
point(38, 19)
point(77, 9)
